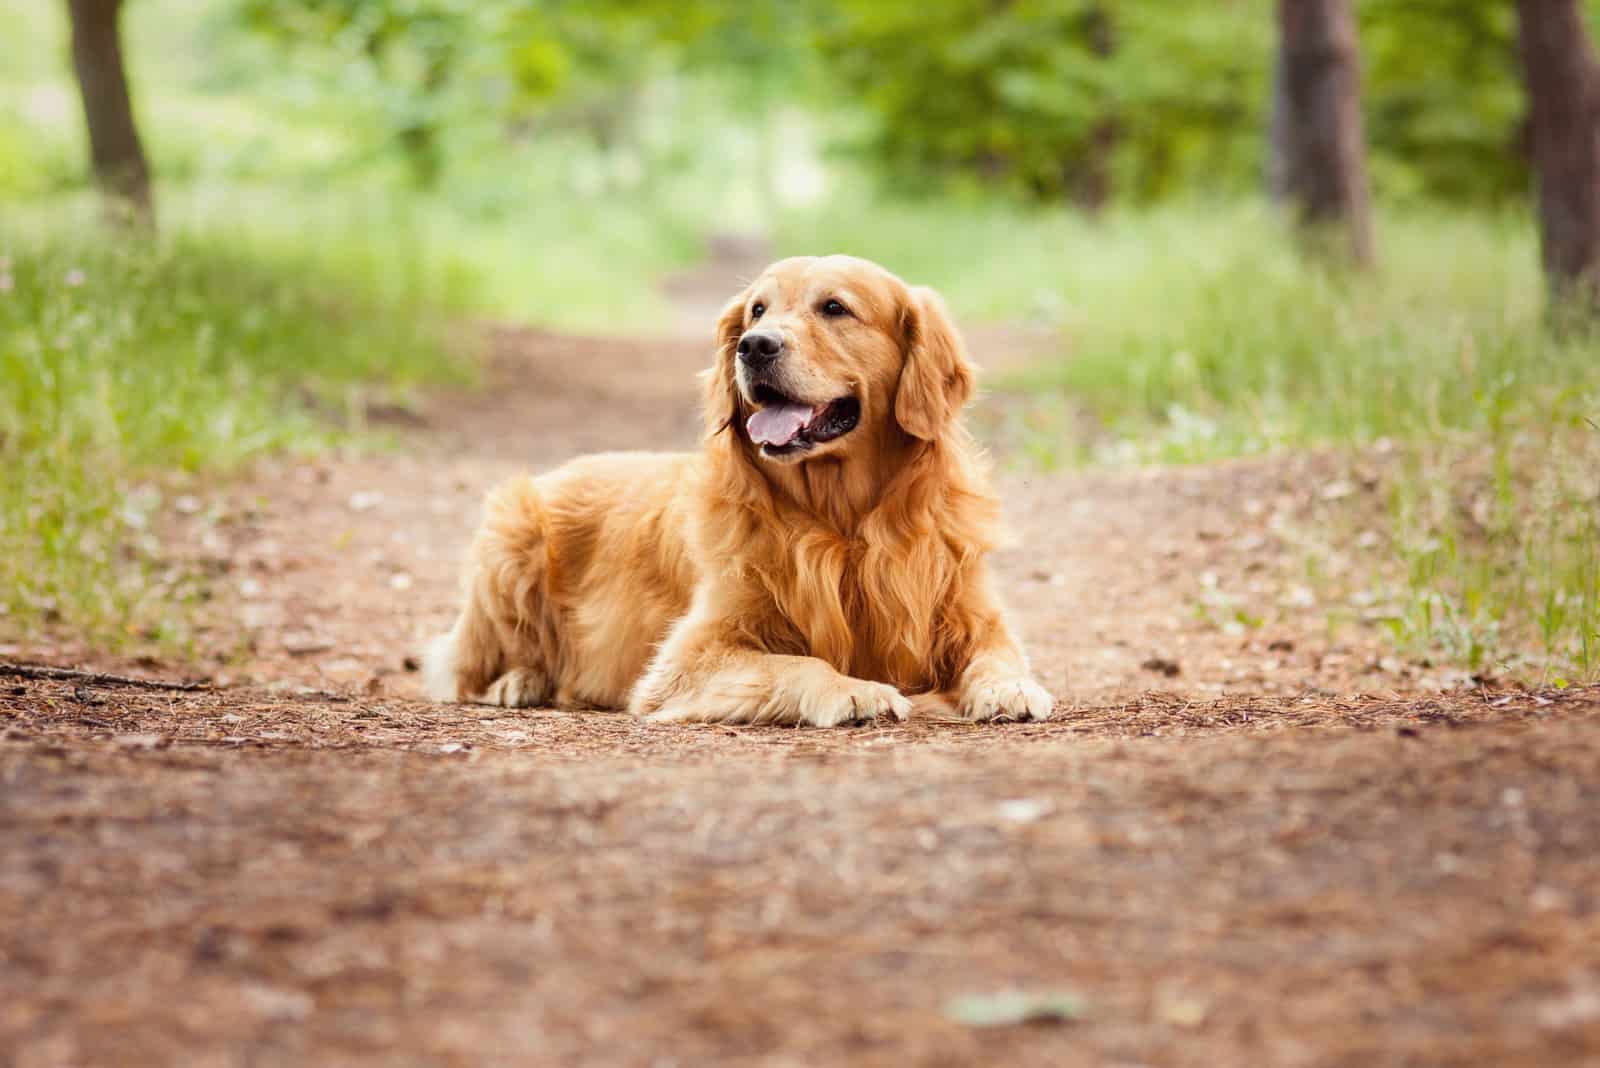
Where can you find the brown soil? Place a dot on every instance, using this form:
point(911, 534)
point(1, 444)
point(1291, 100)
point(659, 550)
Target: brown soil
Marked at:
point(1293, 854)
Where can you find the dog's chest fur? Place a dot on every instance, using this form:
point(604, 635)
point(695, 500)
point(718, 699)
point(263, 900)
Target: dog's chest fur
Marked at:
point(867, 609)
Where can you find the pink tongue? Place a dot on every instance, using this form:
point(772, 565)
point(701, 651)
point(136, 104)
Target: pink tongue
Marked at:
point(778, 424)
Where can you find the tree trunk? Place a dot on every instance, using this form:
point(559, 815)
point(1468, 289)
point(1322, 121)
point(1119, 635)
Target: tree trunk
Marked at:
point(114, 149)
point(1092, 187)
point(1324, 165)
point(1566, 144)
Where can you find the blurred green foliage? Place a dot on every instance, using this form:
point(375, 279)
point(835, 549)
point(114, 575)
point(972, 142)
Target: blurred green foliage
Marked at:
point(438, 66)
point(1039, 93)
point(1045, 94)
point(1445, 106)
point(1092, 99)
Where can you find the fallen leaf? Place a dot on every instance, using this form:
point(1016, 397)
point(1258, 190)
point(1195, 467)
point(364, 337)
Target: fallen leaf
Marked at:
point(1182, 1010)
point(1023, 810)
point(1007, 1008)
point(298, 643)
point(1162, 666)
point(277, 1003)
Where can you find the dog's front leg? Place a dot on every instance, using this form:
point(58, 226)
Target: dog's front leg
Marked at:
point(728, 685)
point(702, 674)
point(996, 682)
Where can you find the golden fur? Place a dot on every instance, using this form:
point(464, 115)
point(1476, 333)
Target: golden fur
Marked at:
point(730, 585)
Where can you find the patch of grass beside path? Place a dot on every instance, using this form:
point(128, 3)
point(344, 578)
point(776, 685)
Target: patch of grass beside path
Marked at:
point(129, 363)
point(1195, 332)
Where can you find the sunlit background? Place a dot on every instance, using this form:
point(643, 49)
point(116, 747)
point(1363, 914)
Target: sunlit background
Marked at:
point(338, 185)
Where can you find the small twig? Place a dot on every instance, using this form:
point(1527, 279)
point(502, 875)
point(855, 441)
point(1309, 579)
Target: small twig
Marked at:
point(321, 695)
point(40, 671)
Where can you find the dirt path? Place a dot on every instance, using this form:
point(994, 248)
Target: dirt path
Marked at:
point(1240, 868)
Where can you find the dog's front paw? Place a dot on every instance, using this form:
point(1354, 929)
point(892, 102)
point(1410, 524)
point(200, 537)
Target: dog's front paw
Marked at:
point(856, 702)
point(518, 688)
point(1006, 699)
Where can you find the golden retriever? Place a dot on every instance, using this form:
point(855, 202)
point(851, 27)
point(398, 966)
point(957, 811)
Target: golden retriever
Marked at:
point(817, 560)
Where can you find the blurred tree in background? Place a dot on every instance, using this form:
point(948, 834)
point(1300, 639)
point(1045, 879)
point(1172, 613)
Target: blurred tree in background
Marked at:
point(1564, 117)
point(114, 148)
point(1318, 145)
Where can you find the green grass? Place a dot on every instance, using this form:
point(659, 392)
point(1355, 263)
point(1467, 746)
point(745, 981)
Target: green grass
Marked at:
point(1196, 332)
point(127, 363)
point(550, 228)
point(1499, 536)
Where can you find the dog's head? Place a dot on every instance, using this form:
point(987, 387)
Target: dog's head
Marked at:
point(821, 356)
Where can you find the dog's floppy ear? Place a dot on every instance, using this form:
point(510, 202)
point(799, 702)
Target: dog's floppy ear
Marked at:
point(721, 392)
point(937, 378)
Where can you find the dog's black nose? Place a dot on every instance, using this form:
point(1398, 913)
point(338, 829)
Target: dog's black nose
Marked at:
point(759, 348)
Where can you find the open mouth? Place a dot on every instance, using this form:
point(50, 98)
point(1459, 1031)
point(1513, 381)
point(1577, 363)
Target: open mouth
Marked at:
point(783, 426)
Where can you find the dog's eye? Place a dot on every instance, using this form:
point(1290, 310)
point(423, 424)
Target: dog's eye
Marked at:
point(835, 309)
point(757, 310)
